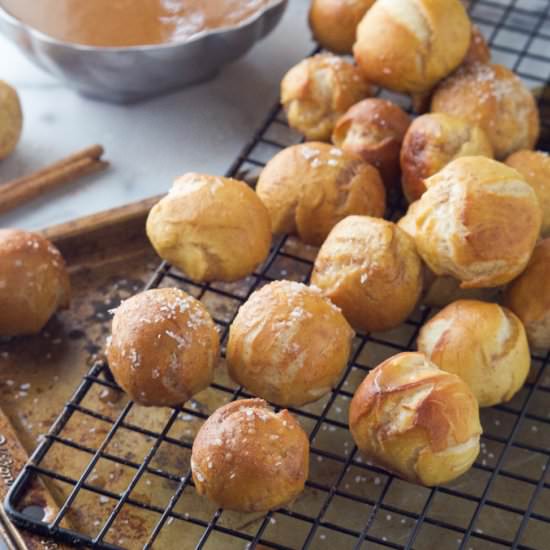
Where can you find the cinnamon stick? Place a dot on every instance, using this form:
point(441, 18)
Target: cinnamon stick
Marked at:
point(26, 188)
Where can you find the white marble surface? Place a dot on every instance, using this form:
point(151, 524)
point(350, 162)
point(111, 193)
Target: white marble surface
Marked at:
point(201, 128)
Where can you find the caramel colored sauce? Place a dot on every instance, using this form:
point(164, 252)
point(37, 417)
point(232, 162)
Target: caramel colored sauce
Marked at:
point(130, 22)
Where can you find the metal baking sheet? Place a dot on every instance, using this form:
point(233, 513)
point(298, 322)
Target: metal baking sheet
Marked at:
point(122, 471)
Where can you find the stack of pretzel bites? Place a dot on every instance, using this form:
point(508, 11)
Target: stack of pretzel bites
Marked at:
point(474, 231)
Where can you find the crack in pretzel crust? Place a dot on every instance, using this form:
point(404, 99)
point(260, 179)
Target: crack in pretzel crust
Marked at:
point(416, 420)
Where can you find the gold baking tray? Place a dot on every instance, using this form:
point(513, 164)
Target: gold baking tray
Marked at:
point(38, 374)
point(109, 259)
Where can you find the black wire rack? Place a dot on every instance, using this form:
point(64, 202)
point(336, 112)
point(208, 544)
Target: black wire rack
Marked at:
point(503, 502)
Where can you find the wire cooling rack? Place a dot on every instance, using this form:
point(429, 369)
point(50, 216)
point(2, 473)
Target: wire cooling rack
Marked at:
point(503, 502)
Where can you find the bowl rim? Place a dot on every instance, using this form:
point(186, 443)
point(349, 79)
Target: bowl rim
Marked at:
point(44, 37)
